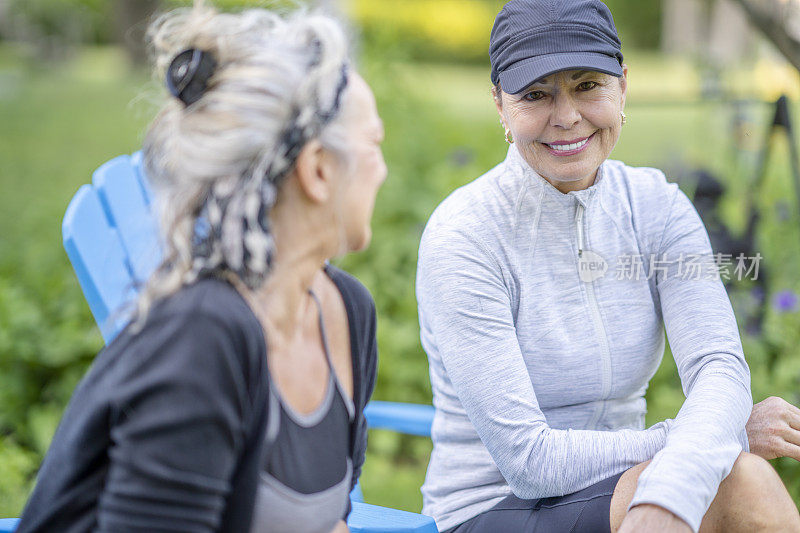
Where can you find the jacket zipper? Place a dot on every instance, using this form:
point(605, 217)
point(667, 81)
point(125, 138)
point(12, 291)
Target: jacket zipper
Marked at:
point(579, 223)
point(598, 323)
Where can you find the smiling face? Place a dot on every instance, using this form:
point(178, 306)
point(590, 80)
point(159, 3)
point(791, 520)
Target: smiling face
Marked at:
point(566, 124)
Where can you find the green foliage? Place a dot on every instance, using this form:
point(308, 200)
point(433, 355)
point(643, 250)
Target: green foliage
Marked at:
point(17, 466)
point(458, 30)
point(638, 23)
point(428, 157)
point(68, 20)
point(58, 125)
point(445, 30)
point(441, 30)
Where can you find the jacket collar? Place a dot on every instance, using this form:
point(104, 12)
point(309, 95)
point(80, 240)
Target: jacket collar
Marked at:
point(544, 189)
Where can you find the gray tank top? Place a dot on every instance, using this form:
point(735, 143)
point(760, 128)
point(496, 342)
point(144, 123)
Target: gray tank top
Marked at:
point(305, 477)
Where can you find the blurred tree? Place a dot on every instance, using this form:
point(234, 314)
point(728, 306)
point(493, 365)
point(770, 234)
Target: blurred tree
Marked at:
point(638, 23)
point(730, 37)
point(683, 26)
point(130, 24)
point(53, 28)
point(778, 20)
point(5, 15)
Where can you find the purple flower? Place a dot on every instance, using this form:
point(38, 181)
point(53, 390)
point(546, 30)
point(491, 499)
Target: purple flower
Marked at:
point(786, 302)
point(462, 157)
point(783, 210)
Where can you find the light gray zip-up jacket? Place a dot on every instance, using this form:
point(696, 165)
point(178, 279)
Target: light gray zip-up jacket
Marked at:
point(540, 358)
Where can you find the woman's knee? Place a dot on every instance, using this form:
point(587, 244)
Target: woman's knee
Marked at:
point(751, 475)
point(751, 498)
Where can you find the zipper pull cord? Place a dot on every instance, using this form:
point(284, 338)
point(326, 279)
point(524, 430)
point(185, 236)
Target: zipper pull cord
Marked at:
point(579, 223)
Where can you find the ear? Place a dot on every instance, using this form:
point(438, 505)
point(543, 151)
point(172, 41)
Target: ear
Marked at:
point(315, 172)
point(498, 104)
point(623, 81)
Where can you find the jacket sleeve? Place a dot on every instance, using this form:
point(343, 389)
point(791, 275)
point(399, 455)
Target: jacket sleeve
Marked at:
point(466, 320)
point(367, 369)
point(370, 369)
point(178, 426)
point(709, 432)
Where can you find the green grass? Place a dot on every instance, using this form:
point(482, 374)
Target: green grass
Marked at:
point(59, 122)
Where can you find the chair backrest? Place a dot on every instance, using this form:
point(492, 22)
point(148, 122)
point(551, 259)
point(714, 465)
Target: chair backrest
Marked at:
point(110, 235)
point(122, 194)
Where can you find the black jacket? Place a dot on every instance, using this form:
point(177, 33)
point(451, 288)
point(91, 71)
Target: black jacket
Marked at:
point(166, 430)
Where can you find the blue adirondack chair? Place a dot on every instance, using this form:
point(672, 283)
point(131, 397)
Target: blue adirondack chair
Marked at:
point(110, 235)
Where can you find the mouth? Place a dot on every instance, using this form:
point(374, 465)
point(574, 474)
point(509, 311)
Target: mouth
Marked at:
point(570, 147)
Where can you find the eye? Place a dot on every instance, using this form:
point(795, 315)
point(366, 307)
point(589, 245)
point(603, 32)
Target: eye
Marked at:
point(587, 85)
point(533, 96)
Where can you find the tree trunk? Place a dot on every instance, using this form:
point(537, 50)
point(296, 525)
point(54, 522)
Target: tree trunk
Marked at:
point(730, 38)
point(130, 24)
point(769, 17)
point(683, 25)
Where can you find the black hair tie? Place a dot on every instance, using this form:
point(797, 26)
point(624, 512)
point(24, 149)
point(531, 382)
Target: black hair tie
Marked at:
point(327, 116)
point(188, 74)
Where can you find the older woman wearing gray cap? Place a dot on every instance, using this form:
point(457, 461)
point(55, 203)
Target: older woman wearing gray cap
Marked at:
point(544, 289)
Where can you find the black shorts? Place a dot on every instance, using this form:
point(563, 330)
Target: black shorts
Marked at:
point(585, 511)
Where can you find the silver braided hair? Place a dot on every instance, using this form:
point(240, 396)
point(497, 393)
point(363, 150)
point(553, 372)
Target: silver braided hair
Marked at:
point(217, 156)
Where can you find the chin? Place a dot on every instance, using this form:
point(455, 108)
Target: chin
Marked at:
point(362, 241)
point(574, 171)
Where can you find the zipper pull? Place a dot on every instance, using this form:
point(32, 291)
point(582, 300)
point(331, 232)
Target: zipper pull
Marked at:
point(579, 223)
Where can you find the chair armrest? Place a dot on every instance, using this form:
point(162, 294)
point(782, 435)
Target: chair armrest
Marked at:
point(410, 418)
point(366, 518)
point(8, 525)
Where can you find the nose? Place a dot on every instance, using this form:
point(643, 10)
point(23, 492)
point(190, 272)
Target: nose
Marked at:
point(565, 113)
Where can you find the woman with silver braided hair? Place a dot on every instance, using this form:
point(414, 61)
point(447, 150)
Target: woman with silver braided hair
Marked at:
point(234, 400)
point(219, 158)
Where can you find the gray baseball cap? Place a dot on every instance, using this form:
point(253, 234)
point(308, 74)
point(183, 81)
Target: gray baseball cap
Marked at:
point(532, 39)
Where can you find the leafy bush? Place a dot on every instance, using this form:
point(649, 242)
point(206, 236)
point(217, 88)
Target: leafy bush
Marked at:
point(442, 30)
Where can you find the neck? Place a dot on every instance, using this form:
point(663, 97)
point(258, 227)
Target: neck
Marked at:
point(302, 247)
point(569, 186)
point(284, 298)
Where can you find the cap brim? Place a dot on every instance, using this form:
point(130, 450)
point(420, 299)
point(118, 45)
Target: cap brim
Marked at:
point(523, 73)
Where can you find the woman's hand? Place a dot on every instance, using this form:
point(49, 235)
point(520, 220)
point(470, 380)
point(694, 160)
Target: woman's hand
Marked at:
point(652, 518)
point(774, 429)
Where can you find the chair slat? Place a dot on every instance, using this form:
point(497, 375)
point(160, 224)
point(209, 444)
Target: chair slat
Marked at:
point(99, 260)
point(147, 190)
point(409, 418)
point(121, 193)
point(8, 525)
point(366, 518)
